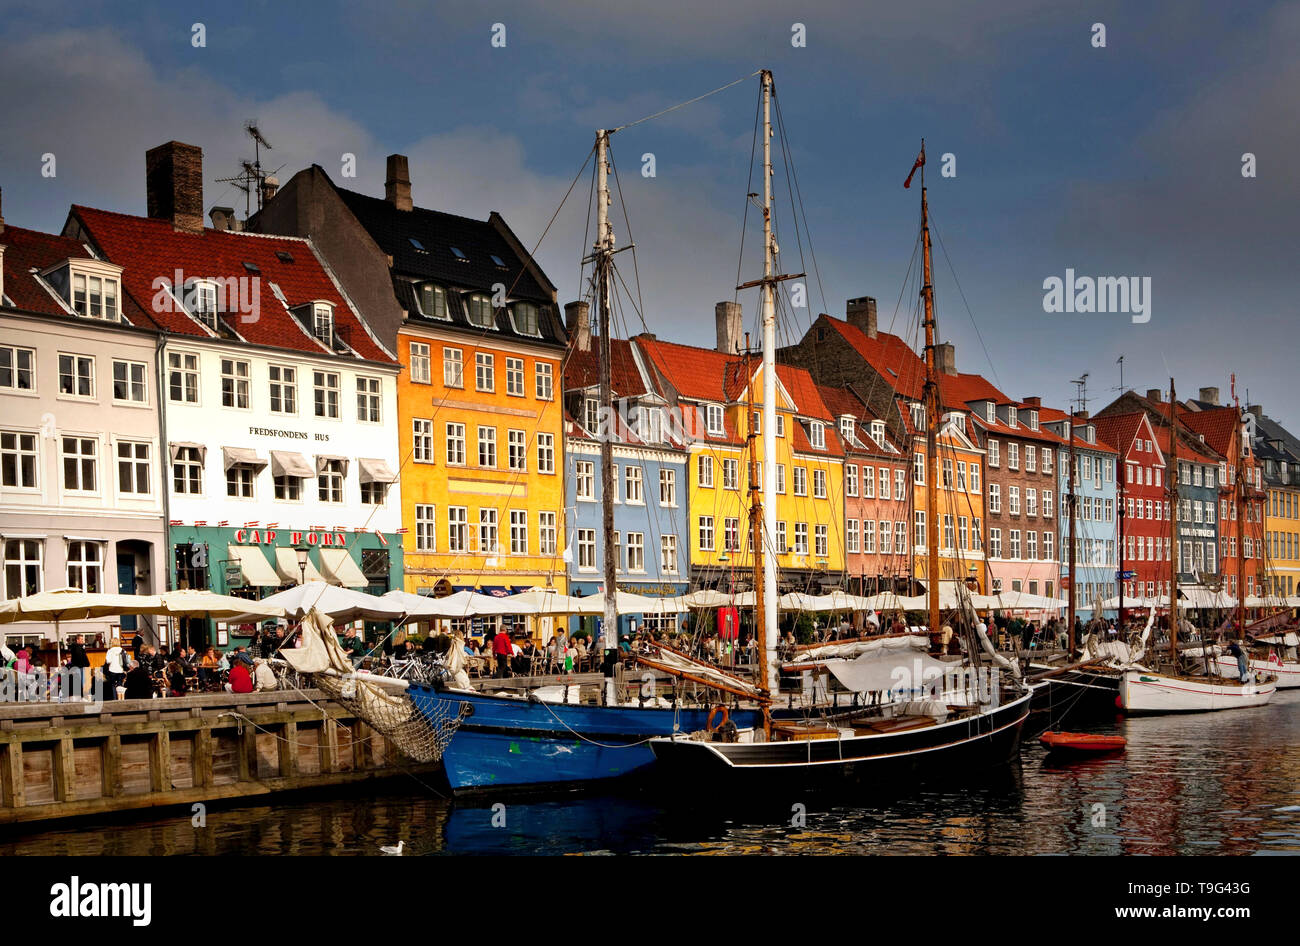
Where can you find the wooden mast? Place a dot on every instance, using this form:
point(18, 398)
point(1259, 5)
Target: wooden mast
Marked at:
point(1172, 489)
point(930, 405)
point(604, 251)
point(1071, 504)
point(769, 394)
point(1239, 498)
point(756, 539)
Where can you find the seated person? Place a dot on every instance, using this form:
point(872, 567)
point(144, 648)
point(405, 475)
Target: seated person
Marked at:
point(263, 675)
point(139, 683)
point(175, 679)
point(241, 681)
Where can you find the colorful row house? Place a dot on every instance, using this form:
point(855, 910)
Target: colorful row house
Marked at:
point(651, 535)
point(277, 403)
point(716, 395)
point(473, 322)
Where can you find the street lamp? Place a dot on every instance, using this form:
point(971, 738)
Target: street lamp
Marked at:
point(301, 551)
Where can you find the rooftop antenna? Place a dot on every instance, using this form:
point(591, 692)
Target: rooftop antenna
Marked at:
point(250, 178)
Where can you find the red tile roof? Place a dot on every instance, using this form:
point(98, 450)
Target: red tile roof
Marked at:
point(27, 250)
point(702, 374)
point(150, 249)
point(582, 368)
point(1050, 415)
point(1220, 426)
point(842, 402)
point(891, 357)
point(1120, 429)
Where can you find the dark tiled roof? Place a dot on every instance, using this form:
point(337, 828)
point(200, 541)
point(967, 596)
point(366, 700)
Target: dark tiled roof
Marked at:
point(480, 244)
point(27, 250)
point(148, 249)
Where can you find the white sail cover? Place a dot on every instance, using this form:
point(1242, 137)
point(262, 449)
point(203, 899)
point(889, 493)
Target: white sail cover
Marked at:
point(890, 663)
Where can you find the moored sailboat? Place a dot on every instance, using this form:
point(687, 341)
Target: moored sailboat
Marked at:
point(1172, 689)
point(955, 714)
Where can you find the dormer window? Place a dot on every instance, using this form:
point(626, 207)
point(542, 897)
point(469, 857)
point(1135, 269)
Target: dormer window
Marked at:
point(200, 299)
point(1033, 420)
point(1090, 434)
point(878, 431)
point(479, 309)
point(918, 416)
point(323, 322)
point(846, 429)
point(817, 435)
point(525, 318)
point(713, 419)
point(990, 412)
point(94, 296)
point(591, 415)
point(433, 301)
point(1011, 417)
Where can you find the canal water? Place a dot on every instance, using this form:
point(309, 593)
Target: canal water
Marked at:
point(1218, 783)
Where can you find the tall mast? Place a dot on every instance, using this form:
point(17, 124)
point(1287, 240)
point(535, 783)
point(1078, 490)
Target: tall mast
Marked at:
point(1121, 477)
point(756, 532)
point(769, 394)
point(604, 251)
point(1071, 503)
point(930, 403)
point(1239, 498)
point(1172, 489)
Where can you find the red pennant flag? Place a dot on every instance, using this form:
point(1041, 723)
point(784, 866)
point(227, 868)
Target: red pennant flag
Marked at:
point(919, 162)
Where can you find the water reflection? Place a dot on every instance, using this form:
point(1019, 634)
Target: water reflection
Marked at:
point(1225, 784)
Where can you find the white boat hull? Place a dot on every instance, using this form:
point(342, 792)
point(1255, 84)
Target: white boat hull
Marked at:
point(1141, 691)
point(1287, 672)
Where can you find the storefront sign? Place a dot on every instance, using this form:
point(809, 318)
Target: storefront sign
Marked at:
point(269, 537)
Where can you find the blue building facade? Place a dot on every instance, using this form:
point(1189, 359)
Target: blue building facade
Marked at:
point(651, 489)
point(1096, 526)
point(650, 518)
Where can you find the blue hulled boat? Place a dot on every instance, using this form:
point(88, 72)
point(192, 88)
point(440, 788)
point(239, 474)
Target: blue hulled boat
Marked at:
point(517, 742)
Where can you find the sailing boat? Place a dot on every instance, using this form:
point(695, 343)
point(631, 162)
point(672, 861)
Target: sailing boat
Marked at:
point(970, 716)
point(1174, 690)
point(522, 741)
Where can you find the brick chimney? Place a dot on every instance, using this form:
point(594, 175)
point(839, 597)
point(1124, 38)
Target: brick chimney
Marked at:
point(729, 320)
point(1256, 409)
point(1034, 401)
point(1153, 395)
point(945, 358)
point(577, 321)
point(861, 314)
point(397, 185)
point(222, 218)
point(174, 185)
point(1210, 396)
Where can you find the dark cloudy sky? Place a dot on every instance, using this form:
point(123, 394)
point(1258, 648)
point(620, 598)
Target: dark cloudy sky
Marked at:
point(1117, 161)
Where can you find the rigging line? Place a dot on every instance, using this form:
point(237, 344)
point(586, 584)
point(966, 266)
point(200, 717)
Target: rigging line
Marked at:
point(673, 108)
point(935, 227)
point(627, 221)
point(749, 180)
point(793, 174)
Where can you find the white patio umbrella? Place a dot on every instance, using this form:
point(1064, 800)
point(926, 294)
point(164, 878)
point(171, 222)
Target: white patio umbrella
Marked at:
point(341, 604)
point(193, 603)
point(73, 604)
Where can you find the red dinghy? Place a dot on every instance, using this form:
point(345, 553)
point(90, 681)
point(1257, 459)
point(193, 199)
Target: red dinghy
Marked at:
point(1082, 742)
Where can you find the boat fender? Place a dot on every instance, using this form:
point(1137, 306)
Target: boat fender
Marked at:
point(466, 709)
point(726, 716)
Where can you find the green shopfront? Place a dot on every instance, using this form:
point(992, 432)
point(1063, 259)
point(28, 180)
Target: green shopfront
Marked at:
point(256, 560)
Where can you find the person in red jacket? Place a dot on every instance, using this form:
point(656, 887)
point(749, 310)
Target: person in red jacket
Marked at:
point(241, 681)
point(503, 651)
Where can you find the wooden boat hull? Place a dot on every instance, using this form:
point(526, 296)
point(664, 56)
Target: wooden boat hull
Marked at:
point(509, 742)
point(1143, 692)
point(1287, 672)
point(1081, 694)
point(953, 746)
point(1084, 743)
